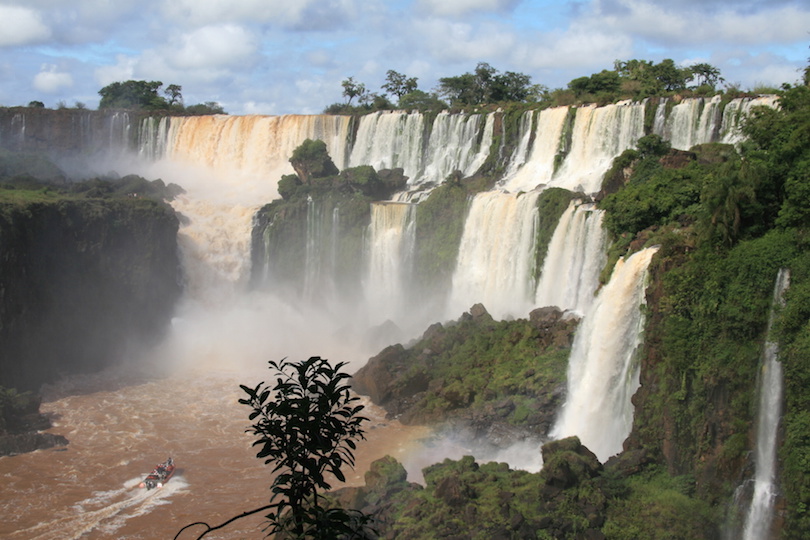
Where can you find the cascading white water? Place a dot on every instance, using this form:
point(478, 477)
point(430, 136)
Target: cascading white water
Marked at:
point(760, 514)
point(387, 140)
point(575, 257)
point(738, 109)
point(255, 147)
point(390, 250)
point(599, 134)
point(318, 248)
point(521, 153)
point(496, 256)
point(456, 144)
point(692, 121)
point(603, 373)
point(539, 166)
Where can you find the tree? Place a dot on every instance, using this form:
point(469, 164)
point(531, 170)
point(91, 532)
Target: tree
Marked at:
point(705, 75)
point(603, 82)
point(486, 85)
point(209, 107)
point(311, 160)
point(421, 101)
point(132, 95)
point(306, 425)
point(652, 79)
point(353, 89)
point(670, 76)
point(398, 84)
point(510, 86)
point(174, 93)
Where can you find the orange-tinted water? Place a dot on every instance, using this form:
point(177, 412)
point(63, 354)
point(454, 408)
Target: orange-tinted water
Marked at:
point(119, 427)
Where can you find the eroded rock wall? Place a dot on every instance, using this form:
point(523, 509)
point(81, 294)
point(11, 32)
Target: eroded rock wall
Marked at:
point(81, 283)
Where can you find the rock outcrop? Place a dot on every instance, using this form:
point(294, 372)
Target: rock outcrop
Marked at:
point(81, 282)
point(518, 382)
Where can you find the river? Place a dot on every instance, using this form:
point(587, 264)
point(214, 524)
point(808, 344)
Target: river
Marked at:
point(121, 423)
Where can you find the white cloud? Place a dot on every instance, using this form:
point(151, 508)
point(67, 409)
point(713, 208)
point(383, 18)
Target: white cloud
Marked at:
point(123, 70)
point(212, 47)
point(578, 48)
point(21, 26)
point(455, 8)
point(50, 81)
point(298, 14)
point(458, 41)
point(670, 26)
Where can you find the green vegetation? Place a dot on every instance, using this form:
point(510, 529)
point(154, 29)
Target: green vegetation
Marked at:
point(145, 95)
point(486, 87)
point(439, 226)
point(498, 371)
point(573, 496)
point(13, 406)
point(727, 222)
point(654, 504)
point(307, 426)
point(550, 207)
point(325, 207)
point(30, 177)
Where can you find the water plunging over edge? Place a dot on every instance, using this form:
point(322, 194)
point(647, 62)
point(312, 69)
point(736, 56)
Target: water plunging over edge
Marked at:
point(760, 513)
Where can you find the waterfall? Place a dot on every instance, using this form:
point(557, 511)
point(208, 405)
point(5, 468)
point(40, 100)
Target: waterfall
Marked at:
point(496, 258)
point(456, 143)
point(603, 373)
point(390, 253)
point(316, 248)
point(599, 134)
point(539, 166)
point(253, 146)
point(760, 514)
point(575, 257)
point(736, 110)
point(387, 140)
point(520, 155)
point(696, 121)
point(693, 121)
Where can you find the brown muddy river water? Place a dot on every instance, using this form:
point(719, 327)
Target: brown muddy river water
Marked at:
point(120, 426)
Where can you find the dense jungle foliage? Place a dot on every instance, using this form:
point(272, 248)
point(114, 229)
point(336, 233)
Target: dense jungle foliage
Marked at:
point(727, 222)
point(727, 219)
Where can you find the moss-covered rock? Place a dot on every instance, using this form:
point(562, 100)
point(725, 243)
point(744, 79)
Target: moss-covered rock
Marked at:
point(493, 382)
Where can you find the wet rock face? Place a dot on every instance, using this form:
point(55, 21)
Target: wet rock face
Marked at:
point(80, 282)
point(21, 422)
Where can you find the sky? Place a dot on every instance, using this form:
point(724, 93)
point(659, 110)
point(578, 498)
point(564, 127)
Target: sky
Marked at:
point(290, 56)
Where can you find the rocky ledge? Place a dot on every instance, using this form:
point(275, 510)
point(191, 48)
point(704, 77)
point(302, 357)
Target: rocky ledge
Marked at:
point(491, 383)
point(21, 424)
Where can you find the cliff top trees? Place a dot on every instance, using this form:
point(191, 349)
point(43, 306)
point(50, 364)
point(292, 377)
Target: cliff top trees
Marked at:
point(353, 89)
point(398, 84)
point(486, 85)
point(133, 95)
point(145, 95)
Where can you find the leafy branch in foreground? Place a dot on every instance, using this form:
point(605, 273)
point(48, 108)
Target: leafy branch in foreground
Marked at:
point(306, 425)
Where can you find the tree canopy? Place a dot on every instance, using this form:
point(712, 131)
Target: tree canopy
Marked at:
point(146, 95)
point(398, 84)
point(486, 85)
point(132, 95)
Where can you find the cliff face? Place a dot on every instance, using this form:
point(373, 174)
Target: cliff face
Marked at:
point(81, 281)
point(26, 129)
